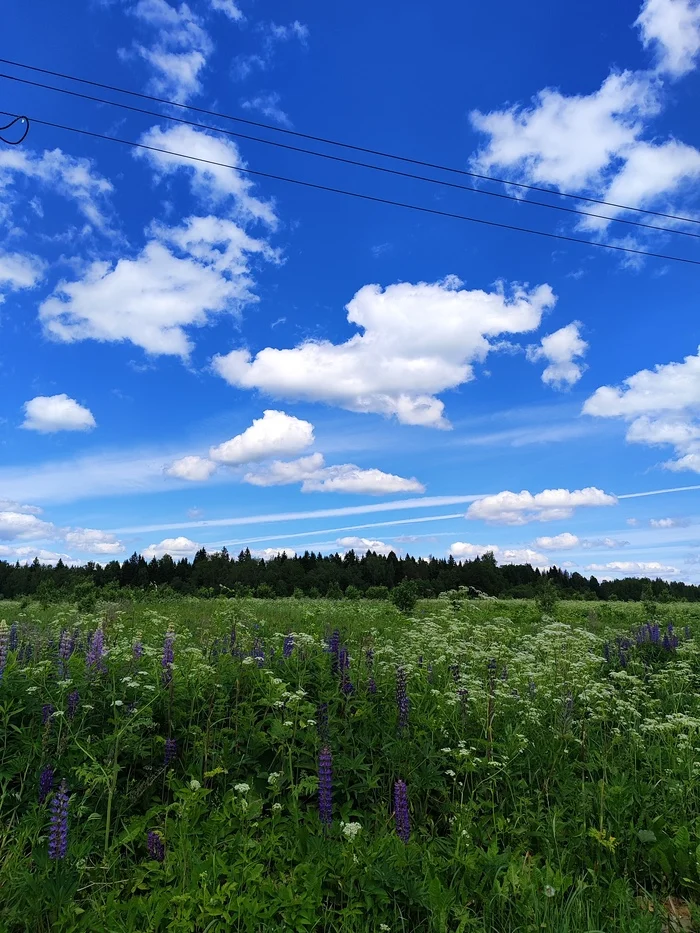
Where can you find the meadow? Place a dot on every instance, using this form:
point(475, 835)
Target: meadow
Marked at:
point(310, 765)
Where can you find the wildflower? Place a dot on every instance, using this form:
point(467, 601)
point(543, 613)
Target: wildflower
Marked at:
point(65, 650)
point(273, 777)
point(288, 722)
point(288, 646)
point(241, 788)
point(58, 832)
point(45, 783)
point(137, 650)
point(194, 784)
point(549, 891)
point(96, 650)
point(334, 648)
point(450, 773)
point(168, 658)
point(325, 786)
point(170, 751)
point(156, 846)
point(403, 826)
point(372, 685)
point(322, 722)
point(350, 830)
point(46, 713)
point(276, 806)
point(258, 652)
point(402, 698)
point(14, 635)
point(4, 644)
point(454, 670)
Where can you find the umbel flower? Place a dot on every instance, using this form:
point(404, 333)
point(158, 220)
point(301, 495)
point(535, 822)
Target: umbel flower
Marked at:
point(156, 846)
point(325, 786)
point(403, 825)
point(58, 832)
point(45, 783)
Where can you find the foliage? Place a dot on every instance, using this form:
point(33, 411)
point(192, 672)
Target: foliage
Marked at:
point(550, 768)
point(404, 596)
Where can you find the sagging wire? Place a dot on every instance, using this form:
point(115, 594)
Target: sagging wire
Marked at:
point(22, 121)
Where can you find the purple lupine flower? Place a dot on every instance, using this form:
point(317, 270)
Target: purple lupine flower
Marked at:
point(96, 650)
point(156, 846)
point(402, 698)
point(325, 786)
point(73, 701)
point(47, 711)
point(343, 659)
point(65, 650)
point(170, 752)
point(463, 695)
point(14, 635)
point(168, 658)
point(58, 832)
point(372, 685)
point(666, 643)
point(454, 670)
point(258, 652)
point(403, 824)
point(4, 645)
point(137, 650)
point(369, 657)
point(288, 646)
point(334, 649)
point(45, 783)
point(623, 659)
point(322, 722)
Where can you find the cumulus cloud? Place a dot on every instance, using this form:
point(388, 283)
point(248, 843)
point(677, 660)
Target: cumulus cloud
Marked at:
point(316, 477)
point(183, 277)
point(602, 142)
point(18, 525)
point(593, 543)
point(269, 106)
point(72, 178)
point(669, 522)
point(560, 350)
point(416, 342)
point(634, 567)
point(519, 508)
point(51, 413)
point(363, 545)
point(662, 407)
point(462, 550)
point(269, 553)
point(213, 184)
point(274, 434)
point(672, 29)
point(194, 469)
point(93, 541)
point(175, 547)
point(562, 542)
point(27, 555)
point(180, 51)
point(229, 8)
point(18, 271)
point(9, 505)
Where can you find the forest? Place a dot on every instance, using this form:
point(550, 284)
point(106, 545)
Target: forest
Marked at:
point(335, 576)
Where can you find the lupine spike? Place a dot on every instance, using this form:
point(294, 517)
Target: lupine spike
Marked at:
point(45, 783)
point(58, 832)
point(401, 815)
point(168, 657)
point(14, 636)
point(170, 751)
point(47, 711)
point(288, 646)
point(73, 701)
point(96, 650)
point(4, 646)
point(402, 700)
point(325, 786)
point(156, 846)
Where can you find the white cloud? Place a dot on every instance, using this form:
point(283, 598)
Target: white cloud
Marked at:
point(93, 541)
point(345, 477)
point(269, 553)
point(181, 49)
point(462, 550)
point(26, 555)
point(229, 8)
point(669, 522)
point(195, 469)
point(9, 505)
point(633, 522)
point(294, 30)
point(672, 28)
point(519, 508)
point(274, 434)
point(362, 545)
point(14, 525)
point(562, 542)
point(19, 270)
point(182, 278)
point(594, 543)
point(662, 407)
point(51, 413)
point(176, 547)
point(417, 341)
point(560, 349)
point(210, 182)
point(286, 472)
point(634, 567)
point(269, 106)
point(62, 174)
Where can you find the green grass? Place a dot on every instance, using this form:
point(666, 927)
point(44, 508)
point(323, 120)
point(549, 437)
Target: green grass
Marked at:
point(548, 789)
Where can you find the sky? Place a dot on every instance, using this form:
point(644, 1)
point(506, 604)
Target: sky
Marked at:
point(192, 354)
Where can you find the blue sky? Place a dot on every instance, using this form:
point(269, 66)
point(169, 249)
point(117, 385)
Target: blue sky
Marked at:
point(190, 355)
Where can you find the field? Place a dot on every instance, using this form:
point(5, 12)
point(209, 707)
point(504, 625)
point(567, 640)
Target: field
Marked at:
point(294, 765)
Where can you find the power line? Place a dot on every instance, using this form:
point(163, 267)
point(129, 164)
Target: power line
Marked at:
point(355, 148)
point(346, 161)
point(22, 121)
point(365, 197)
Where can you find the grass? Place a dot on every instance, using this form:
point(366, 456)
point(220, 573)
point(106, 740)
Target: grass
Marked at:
point(548, 788)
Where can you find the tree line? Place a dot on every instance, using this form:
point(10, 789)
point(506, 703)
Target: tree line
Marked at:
point(369, 575)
